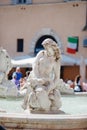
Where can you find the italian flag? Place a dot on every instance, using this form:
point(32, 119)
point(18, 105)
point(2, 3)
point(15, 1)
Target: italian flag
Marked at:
point(72, 45)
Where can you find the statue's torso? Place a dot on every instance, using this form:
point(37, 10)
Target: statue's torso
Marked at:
point(45, 66)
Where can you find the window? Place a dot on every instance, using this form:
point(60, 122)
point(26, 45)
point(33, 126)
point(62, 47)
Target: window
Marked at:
point(85, 42)
point(20, 44)
point(21, 1)
point(39, 46)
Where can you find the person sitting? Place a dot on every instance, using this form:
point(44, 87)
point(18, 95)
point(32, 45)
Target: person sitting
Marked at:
point(18, 73)
point(15, 81)
point(22, 82)
point(84, 87)
point(78, 84)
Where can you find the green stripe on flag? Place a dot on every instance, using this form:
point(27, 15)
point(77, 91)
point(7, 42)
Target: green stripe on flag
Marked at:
point(73, 40)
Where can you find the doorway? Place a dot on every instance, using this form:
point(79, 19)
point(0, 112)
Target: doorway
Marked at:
point(38, 46)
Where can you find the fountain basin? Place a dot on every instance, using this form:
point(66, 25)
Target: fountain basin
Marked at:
point(71, 116)
point(43, 122)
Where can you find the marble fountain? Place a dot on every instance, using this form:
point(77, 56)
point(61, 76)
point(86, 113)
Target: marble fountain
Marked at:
point(45, 101)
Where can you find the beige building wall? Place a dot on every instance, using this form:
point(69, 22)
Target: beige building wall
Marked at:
point(4, 2)
point(45, 1)
point(32, 1)
point(30, 22)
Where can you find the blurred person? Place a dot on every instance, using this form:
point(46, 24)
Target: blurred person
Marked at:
point(84, 87)
point(15, 81)
point(18, 73)
point(22, 82)
point(70, 82)
point(78, 84)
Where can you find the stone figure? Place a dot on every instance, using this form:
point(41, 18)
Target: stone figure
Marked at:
point(7, 88)
point(44, 80)
point(42, 90)
point(5, 64)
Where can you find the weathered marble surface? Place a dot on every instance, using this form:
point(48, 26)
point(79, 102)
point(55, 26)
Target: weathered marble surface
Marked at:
point(44, 80)
point(17, 121)
point(7, 88)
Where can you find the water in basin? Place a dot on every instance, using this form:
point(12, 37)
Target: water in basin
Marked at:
point(71, 104)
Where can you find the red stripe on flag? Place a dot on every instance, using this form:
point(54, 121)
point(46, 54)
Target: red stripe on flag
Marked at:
point(72, 51)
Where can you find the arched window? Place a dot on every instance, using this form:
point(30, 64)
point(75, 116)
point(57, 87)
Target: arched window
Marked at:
point(38, 46)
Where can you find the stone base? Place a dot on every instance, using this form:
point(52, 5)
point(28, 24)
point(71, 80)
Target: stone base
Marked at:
point(27, 121)
point(44, 112)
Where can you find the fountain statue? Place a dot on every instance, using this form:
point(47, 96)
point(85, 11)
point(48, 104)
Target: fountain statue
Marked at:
point(43, 95)
point(7, 88)
point(44, 80)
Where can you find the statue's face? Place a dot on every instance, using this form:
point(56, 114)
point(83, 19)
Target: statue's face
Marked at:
point(50, 51)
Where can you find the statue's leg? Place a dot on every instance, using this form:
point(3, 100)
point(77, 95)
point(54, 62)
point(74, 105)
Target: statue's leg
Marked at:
point(33, 101)
point(56, 103)
point(26, 98)
point(24, 105)
point(43, 99)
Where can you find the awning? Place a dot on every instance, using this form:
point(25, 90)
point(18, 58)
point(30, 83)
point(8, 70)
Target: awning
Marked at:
point(27, 61)
point(23, 61)
point(69, 60)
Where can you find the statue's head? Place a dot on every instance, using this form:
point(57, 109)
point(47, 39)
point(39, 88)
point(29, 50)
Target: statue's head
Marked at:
point(49, 42)
point(52, 47)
